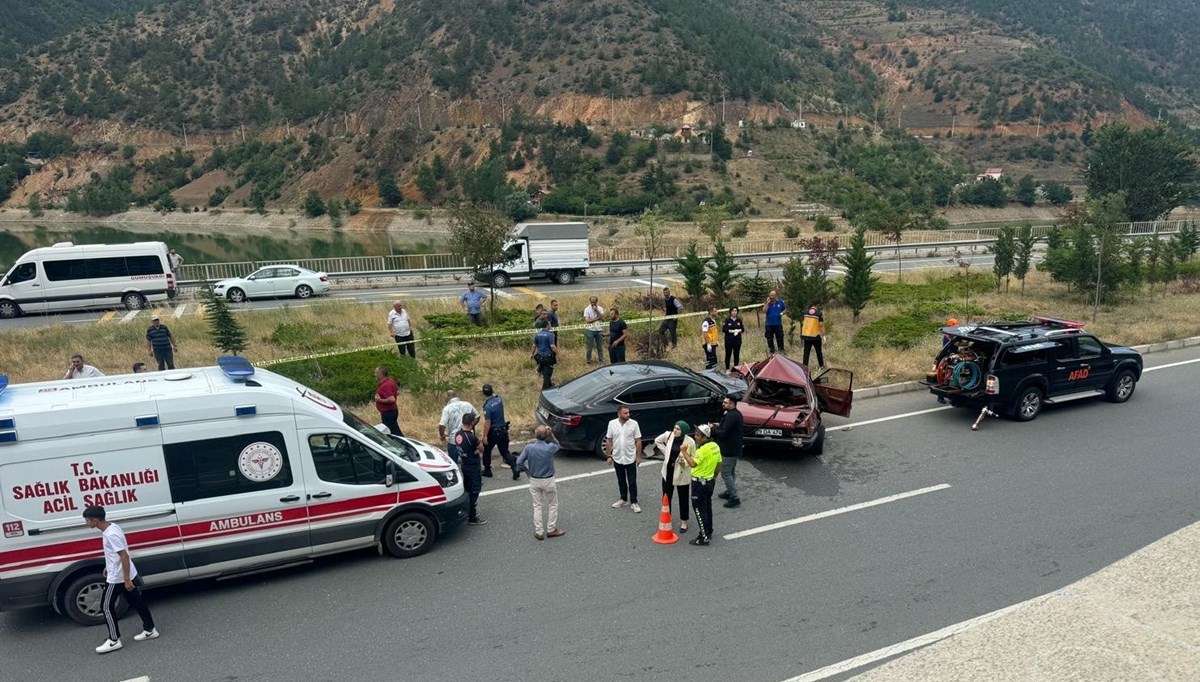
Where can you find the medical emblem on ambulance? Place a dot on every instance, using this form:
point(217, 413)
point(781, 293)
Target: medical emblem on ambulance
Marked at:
point(260, 462)
point(14, 529)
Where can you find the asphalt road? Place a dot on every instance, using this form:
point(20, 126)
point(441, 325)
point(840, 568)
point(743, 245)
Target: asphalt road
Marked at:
point(1029, 508)
point(384, 295)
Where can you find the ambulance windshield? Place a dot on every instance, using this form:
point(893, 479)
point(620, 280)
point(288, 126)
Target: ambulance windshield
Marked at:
point(377, 438)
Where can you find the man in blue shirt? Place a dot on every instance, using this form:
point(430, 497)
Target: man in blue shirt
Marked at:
point(774, 308)
point(472, 303)
point(545, 352)
point(538, 459)
point(495, 432)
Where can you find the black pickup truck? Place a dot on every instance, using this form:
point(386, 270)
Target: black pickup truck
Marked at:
point(1016, 368)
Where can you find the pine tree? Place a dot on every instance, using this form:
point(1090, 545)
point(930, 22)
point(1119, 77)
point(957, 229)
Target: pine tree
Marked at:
point(1024, 254)
point(225, 331)
point(858, 286)
point(1004, 252)
point(693, 268)
point(721, 275)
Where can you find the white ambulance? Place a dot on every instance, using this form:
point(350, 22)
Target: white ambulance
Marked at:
point(211, 472)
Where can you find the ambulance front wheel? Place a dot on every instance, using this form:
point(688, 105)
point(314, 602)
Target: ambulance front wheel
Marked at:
point(409, 535)
point(83, 600)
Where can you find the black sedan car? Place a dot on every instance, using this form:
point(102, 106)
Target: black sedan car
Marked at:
point(658, 394)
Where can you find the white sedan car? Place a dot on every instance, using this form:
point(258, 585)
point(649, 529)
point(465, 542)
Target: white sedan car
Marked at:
point(274, 281)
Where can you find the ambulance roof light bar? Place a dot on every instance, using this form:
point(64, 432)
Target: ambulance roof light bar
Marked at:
point(1055, 322)
point(235, 367)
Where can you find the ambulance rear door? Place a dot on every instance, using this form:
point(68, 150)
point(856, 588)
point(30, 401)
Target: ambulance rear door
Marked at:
point(238, 486)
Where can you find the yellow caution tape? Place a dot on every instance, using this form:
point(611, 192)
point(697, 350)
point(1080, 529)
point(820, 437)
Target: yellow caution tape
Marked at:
point(485, 335)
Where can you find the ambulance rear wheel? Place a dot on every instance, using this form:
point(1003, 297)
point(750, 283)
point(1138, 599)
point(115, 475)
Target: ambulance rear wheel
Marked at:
point(83, 600)
point(409, 535)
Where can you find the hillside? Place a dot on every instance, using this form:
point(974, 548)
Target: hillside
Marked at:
point(600, 107)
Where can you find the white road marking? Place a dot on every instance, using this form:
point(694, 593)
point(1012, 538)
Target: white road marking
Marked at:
point(129, 316)
point(835, 512)
point(560, 480)
point(642, 281)
point(1173, 364)
point(902, 647)
point(179, 310)
point(143, 678)
point(847, 427)
point(504, 294)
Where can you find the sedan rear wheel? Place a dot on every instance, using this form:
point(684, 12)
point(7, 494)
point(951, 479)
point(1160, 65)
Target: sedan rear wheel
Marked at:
point(303, 291)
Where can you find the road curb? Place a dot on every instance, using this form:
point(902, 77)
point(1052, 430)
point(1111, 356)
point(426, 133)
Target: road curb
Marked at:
point(911, 386)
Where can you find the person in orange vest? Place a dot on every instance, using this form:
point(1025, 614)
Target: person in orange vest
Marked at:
point(952, 322)
point(708, 335)
point(812, 333)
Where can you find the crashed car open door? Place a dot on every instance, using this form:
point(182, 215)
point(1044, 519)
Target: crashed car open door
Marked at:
point(835, 391)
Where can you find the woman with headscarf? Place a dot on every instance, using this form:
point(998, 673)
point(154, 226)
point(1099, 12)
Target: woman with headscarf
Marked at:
point(676, 474)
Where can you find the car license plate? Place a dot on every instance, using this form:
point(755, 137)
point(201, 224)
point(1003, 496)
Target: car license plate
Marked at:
point(769, 432)
point(543, 412)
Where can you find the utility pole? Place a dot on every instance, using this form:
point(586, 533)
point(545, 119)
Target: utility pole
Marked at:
point(185, 144)
point(1038, 132)
point(419, 123)
point(1099, 270)
point(953, 122)
point(899, 113)
point(243, 126)
point(612, 110)
point(722, 106)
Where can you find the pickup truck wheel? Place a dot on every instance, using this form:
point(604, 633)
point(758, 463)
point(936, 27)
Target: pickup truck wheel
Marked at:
point(499, 280)
point(83, 600)
point(1028, 405)
point(9, 310)
point(565, 277)
point(1121, 387)
point(409, 535)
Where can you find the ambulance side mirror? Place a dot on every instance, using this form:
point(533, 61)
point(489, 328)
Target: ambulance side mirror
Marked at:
point(390, 479)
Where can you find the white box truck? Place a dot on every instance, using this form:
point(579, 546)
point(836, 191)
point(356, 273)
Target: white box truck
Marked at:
point(554, 251)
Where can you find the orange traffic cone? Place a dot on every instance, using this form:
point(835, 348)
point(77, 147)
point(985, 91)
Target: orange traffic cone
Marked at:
point(665, 535)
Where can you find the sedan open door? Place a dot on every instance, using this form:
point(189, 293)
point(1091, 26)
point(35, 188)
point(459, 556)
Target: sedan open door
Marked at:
point(835, 391)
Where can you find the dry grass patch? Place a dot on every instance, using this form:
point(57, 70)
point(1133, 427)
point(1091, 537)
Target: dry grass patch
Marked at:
point(42, 353)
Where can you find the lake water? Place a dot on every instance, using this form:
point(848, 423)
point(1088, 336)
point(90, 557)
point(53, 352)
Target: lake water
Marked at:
point(209, 247)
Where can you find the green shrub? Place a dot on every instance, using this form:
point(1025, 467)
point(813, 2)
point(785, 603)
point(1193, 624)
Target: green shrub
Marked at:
point(895, 331)
point(791, 231)
point(505, 320)
point(311, 337)
point(739, 230)
point(945, 289)
point(824, 224)
point(349, 378)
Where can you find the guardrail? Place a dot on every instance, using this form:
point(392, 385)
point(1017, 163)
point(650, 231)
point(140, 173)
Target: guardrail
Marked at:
point(417, 265)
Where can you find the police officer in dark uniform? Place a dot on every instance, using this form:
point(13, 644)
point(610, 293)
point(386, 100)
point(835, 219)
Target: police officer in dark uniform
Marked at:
point(495, 432)
point(468, 454)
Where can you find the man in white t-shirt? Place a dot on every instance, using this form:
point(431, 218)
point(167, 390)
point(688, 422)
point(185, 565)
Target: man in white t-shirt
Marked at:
point(400, 329)
point(79, 370)
point(121, 580)
point(623, 447)
point(595, 318)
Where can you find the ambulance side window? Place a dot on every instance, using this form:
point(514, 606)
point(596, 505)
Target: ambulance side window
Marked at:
point(217, 467)
point(341, 459)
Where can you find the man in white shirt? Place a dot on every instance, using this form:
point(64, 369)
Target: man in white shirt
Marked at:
point(120, 575)
point(623, 447)
point(594, 316)
point(78, 370)
point(452, 419)
point(176, 262)
point(400, 329)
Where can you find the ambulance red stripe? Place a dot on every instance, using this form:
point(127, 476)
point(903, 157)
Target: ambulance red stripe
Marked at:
point(152, 537)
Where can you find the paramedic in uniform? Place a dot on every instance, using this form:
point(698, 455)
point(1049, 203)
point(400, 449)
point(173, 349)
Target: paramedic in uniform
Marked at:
point(812, 333)
point(120, 580)
point(468, 451)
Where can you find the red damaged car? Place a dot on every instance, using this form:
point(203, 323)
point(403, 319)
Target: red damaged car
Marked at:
point(782, 404)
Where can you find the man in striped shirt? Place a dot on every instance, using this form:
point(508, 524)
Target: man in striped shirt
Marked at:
point(161, 344)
